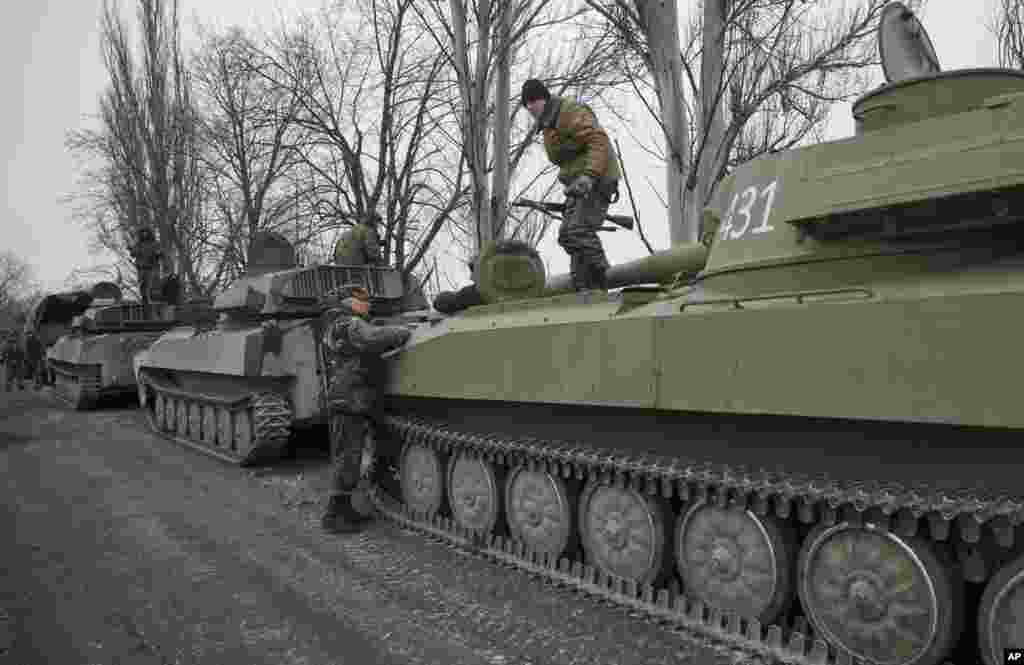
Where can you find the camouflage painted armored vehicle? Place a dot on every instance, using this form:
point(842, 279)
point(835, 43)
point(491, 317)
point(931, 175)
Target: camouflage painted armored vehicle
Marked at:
point(810, 450)
point(234, 389)
point(94, 359)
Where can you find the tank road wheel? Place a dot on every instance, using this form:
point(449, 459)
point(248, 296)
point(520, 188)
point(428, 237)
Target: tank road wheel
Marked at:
point(1001, 616)
point(733, 560)
point(539, 511)
point(225, 428)
point(473, 493)
point(879, 597)
point(209, 425)
point(623, 532)
point(242, 425)
point(159, 418)
point(181, 411)
point(422, 479)
point(195, 421)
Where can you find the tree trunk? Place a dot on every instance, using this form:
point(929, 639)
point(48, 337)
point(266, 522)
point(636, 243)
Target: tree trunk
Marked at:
point(502, 125)
point(660, 20)
point(711, 153)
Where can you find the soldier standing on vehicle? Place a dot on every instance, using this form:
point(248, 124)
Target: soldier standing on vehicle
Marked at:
point(589, 170)
point(146, 254)
point(13, 358)
point(360, 245)
point(355, 346)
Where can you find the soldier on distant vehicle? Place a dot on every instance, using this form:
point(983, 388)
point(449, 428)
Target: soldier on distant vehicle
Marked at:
point(146, 254)
point(355, 346)
point(589, 170)
point(360, 245)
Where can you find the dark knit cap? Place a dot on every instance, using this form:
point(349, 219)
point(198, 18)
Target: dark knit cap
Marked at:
point(534, 89)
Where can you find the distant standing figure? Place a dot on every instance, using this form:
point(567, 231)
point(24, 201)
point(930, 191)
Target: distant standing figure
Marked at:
point(355, 346)
point(13, 358)
point(360, 245)
point(588, 168)
point(35, 358)
point(146, 254)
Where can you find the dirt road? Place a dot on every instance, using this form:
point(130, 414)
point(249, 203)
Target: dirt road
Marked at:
point(122, 548)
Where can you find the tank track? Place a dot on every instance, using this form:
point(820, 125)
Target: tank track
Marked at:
point(78, 387)
point(905, 511)
point(244, 431)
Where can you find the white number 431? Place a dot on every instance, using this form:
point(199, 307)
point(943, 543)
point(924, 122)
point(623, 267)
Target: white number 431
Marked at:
point(741, 211)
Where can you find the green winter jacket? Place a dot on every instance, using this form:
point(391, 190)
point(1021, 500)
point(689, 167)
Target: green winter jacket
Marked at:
point(576, 143)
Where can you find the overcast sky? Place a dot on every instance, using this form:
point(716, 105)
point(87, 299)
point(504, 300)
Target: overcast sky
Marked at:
point(49, 55)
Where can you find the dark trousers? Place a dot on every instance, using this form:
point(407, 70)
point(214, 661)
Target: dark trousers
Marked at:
point(350, 435)
point(577, 235)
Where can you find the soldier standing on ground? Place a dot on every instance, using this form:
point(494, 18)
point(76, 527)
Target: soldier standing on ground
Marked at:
point(589, 169)
point(355, 346)
point(360, 245)
point(35, 358)
point(13, 358)
point(146, 254)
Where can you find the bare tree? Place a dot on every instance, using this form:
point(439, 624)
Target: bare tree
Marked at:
point(143, 159)
point(15, 278)
point(367, 97)
point(481, 41)
point(772, 68)
point(1009, 31)
point(251, 139)
point(18, 293)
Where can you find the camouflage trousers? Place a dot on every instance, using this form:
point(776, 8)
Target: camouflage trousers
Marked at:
point(350, 438)
point(578, 236)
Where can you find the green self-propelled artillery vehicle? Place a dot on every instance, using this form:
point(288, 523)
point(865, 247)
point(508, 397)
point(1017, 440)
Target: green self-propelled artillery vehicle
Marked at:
point(808, 450)
point(235, 387)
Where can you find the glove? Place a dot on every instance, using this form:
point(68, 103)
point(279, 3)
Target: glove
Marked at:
point(581, 186)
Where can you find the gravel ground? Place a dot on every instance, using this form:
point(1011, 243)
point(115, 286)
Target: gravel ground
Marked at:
point(124, 548)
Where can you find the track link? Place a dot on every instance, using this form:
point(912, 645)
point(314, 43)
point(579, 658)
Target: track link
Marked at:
point(906, 511)
point(245, 431)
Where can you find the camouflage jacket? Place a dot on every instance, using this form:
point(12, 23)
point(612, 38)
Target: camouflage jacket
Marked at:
point(354, 346)
point(576, 143)
point(359, 246)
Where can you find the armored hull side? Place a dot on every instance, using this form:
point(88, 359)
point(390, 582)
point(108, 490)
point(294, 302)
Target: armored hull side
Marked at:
point(91, 367)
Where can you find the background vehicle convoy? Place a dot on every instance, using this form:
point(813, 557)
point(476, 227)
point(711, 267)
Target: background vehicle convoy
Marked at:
point(92, 337)
point(802, 441)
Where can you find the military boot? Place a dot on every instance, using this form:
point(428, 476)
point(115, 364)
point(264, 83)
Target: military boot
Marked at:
point(598, 277)
point(341, 517)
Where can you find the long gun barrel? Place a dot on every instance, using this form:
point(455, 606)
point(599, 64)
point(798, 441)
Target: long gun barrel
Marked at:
point(625, 221)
